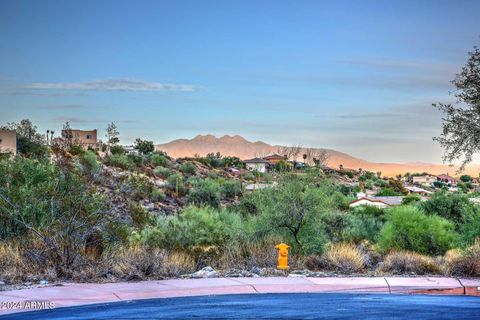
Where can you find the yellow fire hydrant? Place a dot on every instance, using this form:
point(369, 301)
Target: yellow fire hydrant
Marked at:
point(282, 256)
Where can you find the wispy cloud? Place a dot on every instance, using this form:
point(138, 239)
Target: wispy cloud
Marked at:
point(62, 107)
point(77, 120)
point(23, 91)
point(366, 115)
point(111, 85)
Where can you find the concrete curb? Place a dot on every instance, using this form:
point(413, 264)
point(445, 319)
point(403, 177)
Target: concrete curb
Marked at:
point(75, 294)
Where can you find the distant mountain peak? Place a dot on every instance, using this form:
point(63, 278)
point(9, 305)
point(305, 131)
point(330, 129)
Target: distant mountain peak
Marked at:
point(204, 137)
point(235, 145)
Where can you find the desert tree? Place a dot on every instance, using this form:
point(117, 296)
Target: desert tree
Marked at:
point(144, 146)
point(49, 206)
point(112, 136)
point(295, 151)
point(67, 135)
point(291, 152)
point(315, 157)
point(283, 150)
point(27, 130)
point(460, 135)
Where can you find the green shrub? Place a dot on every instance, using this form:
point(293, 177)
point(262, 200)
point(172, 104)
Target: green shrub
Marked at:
point(76, 150)
point(194, 227)
point(162, 172)
point(411, 199)
point(362, 227)
point(49, 207)
point(363, 223)
point(333, 223)
point(188, 168)
point(469, 228)
point(293, 211)
point(212, 175)
point(440, 184)
point(90, 165)
point(136, 159)
point(157, 195)
point(282, 166)
point(449, 206)
point(120, 161)
point(387, 192)
point(349, 190)
point(205, 192)
point(159, 160)
point(176, 183)
point(116, 149)
point(231, 188)
point(369, 185)
point(248, 176)
point(30, 148)
point(380, 183)
point(144, 146)
point(137, 187)
point(408, 228)
point(139, 215)
point(370, 211)
point(397, 186)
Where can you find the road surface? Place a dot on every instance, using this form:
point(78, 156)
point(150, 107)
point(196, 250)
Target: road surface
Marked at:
point(275, 306)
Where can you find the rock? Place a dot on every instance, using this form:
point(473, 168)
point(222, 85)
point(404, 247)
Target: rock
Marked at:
point(43, 282)
point(207, 272)
point(236, 273)
point(256, 270)
point(133, 277)
point(160, 183)
point(296, 275)
point(2, 283)
point(148, 206)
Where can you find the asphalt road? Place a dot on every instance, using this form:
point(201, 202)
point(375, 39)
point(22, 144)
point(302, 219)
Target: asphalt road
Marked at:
point(275, 306)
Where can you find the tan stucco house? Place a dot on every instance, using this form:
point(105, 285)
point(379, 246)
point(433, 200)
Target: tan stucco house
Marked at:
point(8, 141)
point(427, 180)
point(85, 138)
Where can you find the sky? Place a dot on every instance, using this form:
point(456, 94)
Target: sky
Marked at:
point(354, 76)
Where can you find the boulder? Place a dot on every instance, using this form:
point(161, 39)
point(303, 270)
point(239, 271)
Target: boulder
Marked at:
point(207, 272)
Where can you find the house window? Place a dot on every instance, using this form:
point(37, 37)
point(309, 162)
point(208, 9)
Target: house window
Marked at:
point(89, 136)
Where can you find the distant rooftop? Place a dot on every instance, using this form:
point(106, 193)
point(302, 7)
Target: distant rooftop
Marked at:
point(256, 160)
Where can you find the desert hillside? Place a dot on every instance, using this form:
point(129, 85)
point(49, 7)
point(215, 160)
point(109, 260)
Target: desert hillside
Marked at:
point(244, 149)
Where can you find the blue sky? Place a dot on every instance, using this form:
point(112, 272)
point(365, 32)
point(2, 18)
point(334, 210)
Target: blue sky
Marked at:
point(355, 76)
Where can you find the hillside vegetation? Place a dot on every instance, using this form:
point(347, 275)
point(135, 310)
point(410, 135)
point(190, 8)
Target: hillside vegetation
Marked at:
point(71, 214)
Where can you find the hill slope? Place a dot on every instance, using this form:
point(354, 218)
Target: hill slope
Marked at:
point(244, 149)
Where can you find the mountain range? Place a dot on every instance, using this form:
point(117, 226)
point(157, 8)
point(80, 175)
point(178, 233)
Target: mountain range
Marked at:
point(240, 147)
